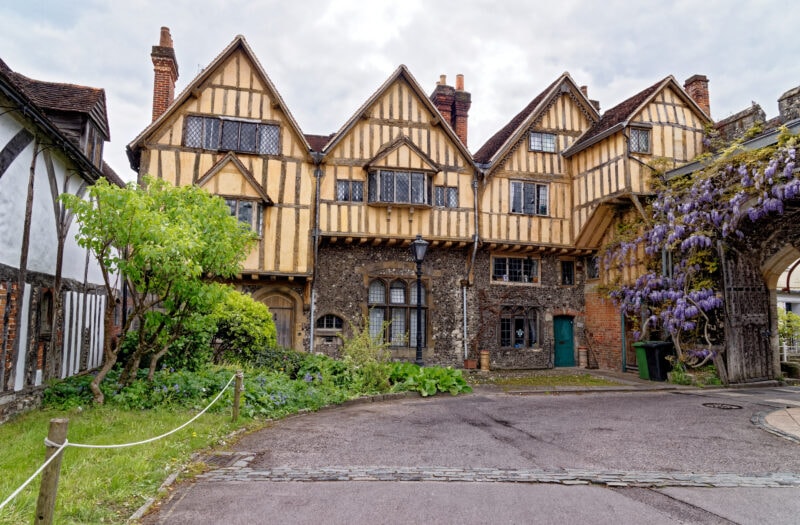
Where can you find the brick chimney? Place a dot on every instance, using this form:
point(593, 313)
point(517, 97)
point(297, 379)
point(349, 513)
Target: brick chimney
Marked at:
point(443, 97)
point(453, 104)
point(461, 105)
point(166, 73)
point(696, 87)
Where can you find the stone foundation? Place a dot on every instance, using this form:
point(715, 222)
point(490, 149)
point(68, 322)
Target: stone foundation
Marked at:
point(13, 403)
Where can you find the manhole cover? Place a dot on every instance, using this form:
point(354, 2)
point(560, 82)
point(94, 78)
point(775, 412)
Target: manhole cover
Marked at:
point(722, 406)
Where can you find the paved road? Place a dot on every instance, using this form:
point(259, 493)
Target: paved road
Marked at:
point(688, 456)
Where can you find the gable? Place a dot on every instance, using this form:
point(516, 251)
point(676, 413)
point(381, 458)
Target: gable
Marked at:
point(230, 178)
point(562, 108)
point(233, 86)
point(403, 153)
point(399, 108)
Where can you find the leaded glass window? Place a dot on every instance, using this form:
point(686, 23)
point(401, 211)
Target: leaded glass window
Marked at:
point(225, 134)
point(640, 140)
point(542, 142)
point(399, 308)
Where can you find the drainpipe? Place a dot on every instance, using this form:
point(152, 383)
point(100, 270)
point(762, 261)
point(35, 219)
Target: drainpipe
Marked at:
point(317, 157)
point(624, 343)
point(466, 281)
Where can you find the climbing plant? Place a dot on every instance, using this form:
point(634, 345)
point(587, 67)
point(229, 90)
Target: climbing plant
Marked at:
point(674, 246)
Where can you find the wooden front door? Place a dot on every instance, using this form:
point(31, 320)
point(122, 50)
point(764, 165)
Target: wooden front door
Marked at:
point(564, 341)
point(282, 310)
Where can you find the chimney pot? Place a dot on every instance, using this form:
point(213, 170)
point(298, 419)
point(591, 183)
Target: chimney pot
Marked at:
point(585, 91)
point(166, 38)
point(459, 82)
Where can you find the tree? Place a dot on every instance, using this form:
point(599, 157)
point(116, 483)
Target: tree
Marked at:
point(167, 243)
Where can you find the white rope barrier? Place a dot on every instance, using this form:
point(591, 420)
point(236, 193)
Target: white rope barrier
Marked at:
point(33, 476)
point(66, 443)
point(150, 440)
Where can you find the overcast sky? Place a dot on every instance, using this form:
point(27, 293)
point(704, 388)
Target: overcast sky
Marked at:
point(326, 57)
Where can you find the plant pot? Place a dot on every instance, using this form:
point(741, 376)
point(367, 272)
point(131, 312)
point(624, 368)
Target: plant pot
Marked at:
point(470, 364)
point(485, 360)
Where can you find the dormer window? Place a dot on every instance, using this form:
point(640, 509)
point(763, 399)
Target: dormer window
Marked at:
point(545, 142)
point(227, 134)
point(640, 140)
point(399, 187)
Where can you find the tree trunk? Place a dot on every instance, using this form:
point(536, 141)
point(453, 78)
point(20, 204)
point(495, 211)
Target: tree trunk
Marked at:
point(154, 361)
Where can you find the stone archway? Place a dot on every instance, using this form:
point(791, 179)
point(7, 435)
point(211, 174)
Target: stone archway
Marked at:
point(751, 268)
point(286, 307)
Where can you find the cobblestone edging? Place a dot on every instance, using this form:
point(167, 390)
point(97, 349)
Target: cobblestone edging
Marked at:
point(612, 478)
point(760, 420)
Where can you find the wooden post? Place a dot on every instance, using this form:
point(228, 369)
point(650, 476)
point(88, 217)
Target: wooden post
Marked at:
point(237, 394)
point(48, 490)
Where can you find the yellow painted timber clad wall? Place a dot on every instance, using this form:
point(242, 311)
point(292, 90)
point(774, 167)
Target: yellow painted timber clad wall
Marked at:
point(565, 119)
point(236, 89)
point(603, 170)
point(397, 113)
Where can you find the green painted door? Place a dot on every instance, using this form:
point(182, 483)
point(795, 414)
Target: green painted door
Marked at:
point(565, 343)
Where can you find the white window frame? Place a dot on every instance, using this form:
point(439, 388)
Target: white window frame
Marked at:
point(541, 141)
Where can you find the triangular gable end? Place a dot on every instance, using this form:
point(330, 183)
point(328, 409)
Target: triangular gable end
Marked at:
point(620, 116)
point(500, 144)
point(229, 177)
point(402, 153)
point(238, 43)
point(403, 73)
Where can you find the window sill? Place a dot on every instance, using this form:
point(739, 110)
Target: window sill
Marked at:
point(382, 204)
point(527, 214)
point(514, 283)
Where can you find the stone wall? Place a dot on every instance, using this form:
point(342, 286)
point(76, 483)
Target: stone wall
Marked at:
point(549, 298)
point(12, 403)
point(789, 105)
point(343, 276)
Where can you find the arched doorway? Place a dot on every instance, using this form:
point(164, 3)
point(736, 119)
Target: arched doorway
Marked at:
point(282, 310)
point(752, 267)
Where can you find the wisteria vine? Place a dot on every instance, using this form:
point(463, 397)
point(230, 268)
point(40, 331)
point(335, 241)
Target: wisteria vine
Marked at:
point(680, 290)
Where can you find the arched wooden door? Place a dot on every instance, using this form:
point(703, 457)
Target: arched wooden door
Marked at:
point(282, 310)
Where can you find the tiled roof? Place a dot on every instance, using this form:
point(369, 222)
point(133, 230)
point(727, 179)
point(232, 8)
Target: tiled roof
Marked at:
point(618, 114)
point(111, 175)
point(485, 153)
point(54, 96)
point(317, 142)
point(59, 97)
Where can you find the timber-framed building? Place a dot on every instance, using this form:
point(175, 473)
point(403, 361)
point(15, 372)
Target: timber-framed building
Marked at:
point(514, 228)
point(52, 294)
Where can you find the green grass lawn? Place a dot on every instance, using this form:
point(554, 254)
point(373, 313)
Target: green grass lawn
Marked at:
point(102, 485)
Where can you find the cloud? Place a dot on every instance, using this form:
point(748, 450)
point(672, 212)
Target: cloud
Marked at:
point(327, 57)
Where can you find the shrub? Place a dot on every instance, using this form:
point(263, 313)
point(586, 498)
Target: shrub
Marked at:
point(428, 380)
point(279, 359)
point(366, 356)
point(244, 328)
